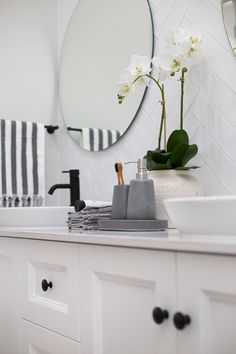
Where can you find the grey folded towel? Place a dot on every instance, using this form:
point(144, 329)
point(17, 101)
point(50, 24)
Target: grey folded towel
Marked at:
point(87, 219)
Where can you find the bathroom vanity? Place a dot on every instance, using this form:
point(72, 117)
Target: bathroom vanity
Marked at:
point(67, 293)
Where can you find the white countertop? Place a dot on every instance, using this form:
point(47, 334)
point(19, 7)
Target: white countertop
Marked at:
point(164, 240)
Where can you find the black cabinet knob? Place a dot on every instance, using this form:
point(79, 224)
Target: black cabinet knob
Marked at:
point(181, 320)
point(159, 315)
point(45, 285)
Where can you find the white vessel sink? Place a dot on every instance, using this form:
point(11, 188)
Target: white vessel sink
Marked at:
point(34, 216)
point(203, 215)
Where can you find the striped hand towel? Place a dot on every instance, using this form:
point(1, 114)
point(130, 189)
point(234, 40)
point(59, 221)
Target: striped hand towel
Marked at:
point(99, 139)
point(21, 164)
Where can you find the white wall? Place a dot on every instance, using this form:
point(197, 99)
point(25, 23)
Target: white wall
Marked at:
point(28, 68)
point(210, 107)
point(28, 91)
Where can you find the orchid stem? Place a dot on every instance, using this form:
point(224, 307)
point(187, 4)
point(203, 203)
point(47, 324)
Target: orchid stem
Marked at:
point(163, 115)
point(184, 70)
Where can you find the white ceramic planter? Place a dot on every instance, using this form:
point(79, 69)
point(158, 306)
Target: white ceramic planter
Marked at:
point(173, 184)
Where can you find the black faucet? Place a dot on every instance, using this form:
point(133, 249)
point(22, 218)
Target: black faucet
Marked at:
point(74, 186)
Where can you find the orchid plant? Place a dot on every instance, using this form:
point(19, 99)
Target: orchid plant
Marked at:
point(183, 50)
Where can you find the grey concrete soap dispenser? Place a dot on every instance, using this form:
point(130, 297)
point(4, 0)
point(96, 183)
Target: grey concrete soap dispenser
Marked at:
point(141, 200)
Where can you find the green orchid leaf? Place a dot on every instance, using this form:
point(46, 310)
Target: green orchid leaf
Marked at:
point(157, 160)
point(160, 158)
point(148, 157)
point(163, 166)
point(186, 168)
point(158, 166)
point(190, 153)
point(178, 154)
point(182, 153)
point(177, 137)
point(157, 150)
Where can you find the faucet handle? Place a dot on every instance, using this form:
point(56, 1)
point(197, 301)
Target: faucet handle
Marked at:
point(72, 172)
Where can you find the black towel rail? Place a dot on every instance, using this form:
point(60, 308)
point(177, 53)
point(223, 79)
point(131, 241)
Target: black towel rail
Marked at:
point(75, 129)
point(51, 128)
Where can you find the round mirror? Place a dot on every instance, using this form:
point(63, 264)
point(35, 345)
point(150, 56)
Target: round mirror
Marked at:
point(101, 37)
point(229, 16)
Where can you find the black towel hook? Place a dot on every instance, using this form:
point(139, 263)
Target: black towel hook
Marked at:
point(51, 128)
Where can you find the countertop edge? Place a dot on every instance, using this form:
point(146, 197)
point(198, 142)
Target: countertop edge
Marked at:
point(163, 241)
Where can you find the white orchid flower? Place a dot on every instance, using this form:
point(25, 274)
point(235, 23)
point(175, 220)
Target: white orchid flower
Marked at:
point(172, 63)
point(176, 41)
point(139, 65)
point(162, 73)
point(125, 84)
point(194, 35)
point(184, 43)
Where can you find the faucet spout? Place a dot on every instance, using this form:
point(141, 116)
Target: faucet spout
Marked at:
point(73, 186)
point(59, 186)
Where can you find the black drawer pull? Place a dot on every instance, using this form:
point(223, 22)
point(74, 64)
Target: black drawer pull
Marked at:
point(45, 285)
point(181, 320)
point(159, 315)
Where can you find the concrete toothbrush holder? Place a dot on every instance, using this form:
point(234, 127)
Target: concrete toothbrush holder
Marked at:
point(119, 202)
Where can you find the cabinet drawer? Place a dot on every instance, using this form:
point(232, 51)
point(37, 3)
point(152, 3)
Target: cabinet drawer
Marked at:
point(38, 340)
point(51, 286)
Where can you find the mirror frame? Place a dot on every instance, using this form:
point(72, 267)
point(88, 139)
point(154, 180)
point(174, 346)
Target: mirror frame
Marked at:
point(226, 31)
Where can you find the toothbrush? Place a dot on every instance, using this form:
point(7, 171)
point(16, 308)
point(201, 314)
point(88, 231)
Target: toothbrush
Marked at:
point(120, 168)
point(119, 172)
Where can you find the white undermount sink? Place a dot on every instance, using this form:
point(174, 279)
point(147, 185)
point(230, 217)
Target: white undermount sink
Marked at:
point(34, 217)
point(203, 215)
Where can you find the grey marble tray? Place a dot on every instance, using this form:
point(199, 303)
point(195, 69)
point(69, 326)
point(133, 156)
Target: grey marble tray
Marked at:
point(132, 225)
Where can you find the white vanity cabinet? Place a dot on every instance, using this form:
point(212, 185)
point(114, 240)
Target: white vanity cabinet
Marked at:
point(114, 299)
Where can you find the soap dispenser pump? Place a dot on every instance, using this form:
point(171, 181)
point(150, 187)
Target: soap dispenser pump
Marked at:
point(141, 200)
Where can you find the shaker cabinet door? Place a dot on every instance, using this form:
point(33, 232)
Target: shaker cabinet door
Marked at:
point(119, 290)
point(207, 293)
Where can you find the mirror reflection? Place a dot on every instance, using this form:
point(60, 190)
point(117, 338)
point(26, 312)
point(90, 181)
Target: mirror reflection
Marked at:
point(101, 37)
point(229, 15)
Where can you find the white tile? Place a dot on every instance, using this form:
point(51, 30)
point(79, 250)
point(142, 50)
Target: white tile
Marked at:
point(201, 11)
point(215, 3)
point(208, 179)
point(216, 90)
point(175, 16)
point(163, 9)
point(216, 57)
point(143, 135)
point(149, 103)
point(216, 160)
point(191, 125)
point(217, 126)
